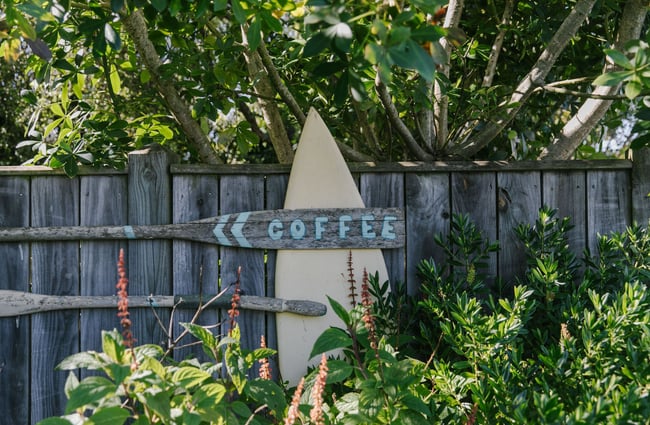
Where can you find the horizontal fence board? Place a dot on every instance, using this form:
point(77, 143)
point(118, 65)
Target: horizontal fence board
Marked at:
point(599, 196)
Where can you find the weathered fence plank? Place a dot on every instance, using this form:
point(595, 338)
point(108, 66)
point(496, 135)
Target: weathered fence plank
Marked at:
point(386, 190)
point(196, 265)
point(275, 192)
point(519, 200)
point(641, 186)
point(427, 214)
point(149, 262)
point(103, 202)
point(474, 194)
point(608, 204)
point(14, 331)
point(244, 193)
point(566, 192)
point(55, 270)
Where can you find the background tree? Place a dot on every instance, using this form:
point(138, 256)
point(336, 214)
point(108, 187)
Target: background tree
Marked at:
point(224, 81)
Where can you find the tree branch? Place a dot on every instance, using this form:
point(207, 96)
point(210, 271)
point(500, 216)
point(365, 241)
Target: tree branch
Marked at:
point(592, 110)
point(534, 78)
point(279, 85)
point(440, 100)
point(272, 117)
point(393, 116)
point(498, 44)
point(136, 27)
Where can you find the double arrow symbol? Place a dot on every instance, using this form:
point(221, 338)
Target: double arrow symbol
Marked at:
point(237, 230)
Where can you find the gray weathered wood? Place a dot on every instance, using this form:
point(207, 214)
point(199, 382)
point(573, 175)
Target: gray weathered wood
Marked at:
point(55, 270)
point(149, 263)
point(196, 265)
point(275, 192)
point(17, 303)
point(566, 191)
point(275, 229)
point(103, 202)
point(244, 193)
point(474, 194)
point(608, 204)
point(386, 190)
point(641, 187)
point(519, 200)
point(427, 214)
point(14, 332)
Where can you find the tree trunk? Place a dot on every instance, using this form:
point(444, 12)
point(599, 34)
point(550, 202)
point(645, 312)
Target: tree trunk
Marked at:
point(592, 110)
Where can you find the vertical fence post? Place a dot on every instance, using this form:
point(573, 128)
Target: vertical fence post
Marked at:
point(150, 262)
point(641, 186)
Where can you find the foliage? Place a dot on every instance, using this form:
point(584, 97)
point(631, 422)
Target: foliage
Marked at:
point(568, 343)
point(390, 78)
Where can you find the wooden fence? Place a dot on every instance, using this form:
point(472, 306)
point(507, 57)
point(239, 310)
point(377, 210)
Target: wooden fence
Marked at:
point(600, 196)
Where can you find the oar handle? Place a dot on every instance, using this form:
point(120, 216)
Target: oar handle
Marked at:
point(17, 303)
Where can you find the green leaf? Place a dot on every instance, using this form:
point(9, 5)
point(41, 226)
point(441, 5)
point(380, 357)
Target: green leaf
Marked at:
point(267, 392)
point(641, 142)
point(612, 78)
point(412, 56)
point(339, 371)
point(109, 416)
point(254, 34)
point(205, 336)
point(633, 89)
point(429, 6)
point(117, 5)
point(54, 421)
point(85, 360)
point(116, 82)
point(159, 5)
point(89, 391)
point(189, 377)
point(316, 44)
point(619, 58)
point(238, 11)
point(112, 37)
point(340, 311)
point(331, 339)
point(112, 345)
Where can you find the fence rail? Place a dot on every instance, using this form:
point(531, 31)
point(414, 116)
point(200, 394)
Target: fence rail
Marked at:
point(600, 197)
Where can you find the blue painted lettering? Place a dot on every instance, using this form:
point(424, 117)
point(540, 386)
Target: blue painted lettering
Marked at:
point(297, 229)
point(387, 230)
point(343, 228)
point(319, 227)
point(275, 229)
point(366, 227)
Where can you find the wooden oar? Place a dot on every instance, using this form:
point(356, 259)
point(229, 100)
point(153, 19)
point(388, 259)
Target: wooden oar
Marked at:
point(271, 229)
point(17, 303)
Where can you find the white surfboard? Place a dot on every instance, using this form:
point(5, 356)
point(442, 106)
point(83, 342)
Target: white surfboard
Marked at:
point(319, 179)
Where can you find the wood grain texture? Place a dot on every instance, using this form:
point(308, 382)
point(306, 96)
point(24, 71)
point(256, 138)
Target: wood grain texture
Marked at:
point(103, 202)
point(519, 200)
point(608, 204)
point(387, 190)
point(55, 270)
point(244, 193)
point(14, 332)
point(149, 264)
point(641, 187)
point(275, 192)
point(427, 215)
point(474, 194)
point(196, 265)
point(566, 191)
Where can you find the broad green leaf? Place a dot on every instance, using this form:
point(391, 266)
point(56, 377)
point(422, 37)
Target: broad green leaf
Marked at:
point(641, 142)
point(89, 391)
point(189, 377)
point(114, 415)
point(112, 345)
point(338, 371)
point(331, 339)
point(267, 392)
point(612, 78)
point(254, 34)
point(206, 337)
point(158, 402)
point(112, 37)
point(412, 56)
point(159, 5)
point(340, 311)
point(26, 28)
point(429, 6)
point(633, 89)
point(316, 44)
point(238, 11)
point(85, 360)
point(116, 82)
point(71, 383)
point(220, 5)
point(619, 58)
